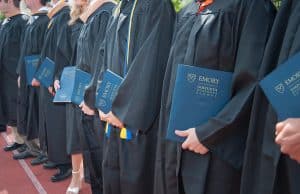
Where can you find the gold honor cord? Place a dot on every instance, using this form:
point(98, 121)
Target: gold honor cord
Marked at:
point(129, 31)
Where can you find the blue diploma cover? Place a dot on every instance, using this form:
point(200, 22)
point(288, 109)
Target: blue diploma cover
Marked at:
point(282, 88)
point(45, 73)
point(73, 83)
point(199, 94)
point(31, 63)
point(107, 91)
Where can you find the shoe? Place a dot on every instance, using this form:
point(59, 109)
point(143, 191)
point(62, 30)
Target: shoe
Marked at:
point(75, 189)
point(22, 148)
point(23, 155)
point(63, 174)
point(40, 159)
point(12, 147)
point(49, 165)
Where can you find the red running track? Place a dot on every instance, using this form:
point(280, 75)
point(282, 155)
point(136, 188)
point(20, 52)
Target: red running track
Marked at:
point(19, 177)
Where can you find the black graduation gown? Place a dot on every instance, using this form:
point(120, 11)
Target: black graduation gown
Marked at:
point(228, 36)
point(90, 59)
point(28, 96)
point(93, 47)
point(66, 56)
point(10, 49)
point(266, 170)
point(2, 118)
point(128, 165)
point(53, 116)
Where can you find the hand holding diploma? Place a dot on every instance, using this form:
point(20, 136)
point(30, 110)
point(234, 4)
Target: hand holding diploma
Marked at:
point(87, 110)
point(35, 83)
point(192, 142)
point(56, 85)
point(111, 119)
point(288, 137)
point(19, 81)
point(51, 90)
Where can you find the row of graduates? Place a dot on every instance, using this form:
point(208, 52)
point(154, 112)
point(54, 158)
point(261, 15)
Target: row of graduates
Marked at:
point(144, 41)
point(51, 31)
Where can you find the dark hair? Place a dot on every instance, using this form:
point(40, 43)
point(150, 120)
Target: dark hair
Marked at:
point(16, 3)
point(44, 2)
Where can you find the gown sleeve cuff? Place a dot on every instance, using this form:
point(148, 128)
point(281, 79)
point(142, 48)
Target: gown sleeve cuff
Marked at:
point(123, 120)
point(206, 135)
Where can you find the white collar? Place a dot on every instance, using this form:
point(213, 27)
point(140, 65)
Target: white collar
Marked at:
point(5, 21)
point(43, 9)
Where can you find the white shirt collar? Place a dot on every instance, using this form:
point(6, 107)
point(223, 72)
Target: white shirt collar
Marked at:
point(43, 9)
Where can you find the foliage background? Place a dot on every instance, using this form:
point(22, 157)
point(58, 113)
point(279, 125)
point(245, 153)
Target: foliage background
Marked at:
point(179, 4)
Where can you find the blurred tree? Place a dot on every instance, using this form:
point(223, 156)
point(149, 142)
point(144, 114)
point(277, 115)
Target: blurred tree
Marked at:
point(277, 3)
point(2, 17)
point(179, 4)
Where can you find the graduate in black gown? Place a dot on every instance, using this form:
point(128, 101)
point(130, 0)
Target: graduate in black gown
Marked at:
point(66, 56)
point(221, 35)
point(11, 31)
point(27, 95)
point(52, 117)
point(90, 59)
point(2, 118)
point(266, 170)
point(136, 47)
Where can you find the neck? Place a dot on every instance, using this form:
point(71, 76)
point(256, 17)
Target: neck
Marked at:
point(12, 13)
point(93, 6)
point(36, 9)
point(57, 8)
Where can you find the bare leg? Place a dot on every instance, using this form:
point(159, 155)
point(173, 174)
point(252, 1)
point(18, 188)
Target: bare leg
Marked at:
point(18, 138)
point(75, 184)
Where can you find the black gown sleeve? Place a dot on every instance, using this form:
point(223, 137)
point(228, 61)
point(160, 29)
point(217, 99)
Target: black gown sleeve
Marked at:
point(21, 64)
point(137, 103)
point(63, 53)
point(15, 44)
point(225, 134)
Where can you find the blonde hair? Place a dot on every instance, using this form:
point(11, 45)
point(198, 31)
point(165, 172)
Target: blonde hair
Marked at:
point(75, 13)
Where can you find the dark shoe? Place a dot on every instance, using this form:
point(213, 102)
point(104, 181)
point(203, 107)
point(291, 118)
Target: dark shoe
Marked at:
point(49, 165)
point(63, 174)
point(23, 155)
point(12, 147)
point(40, 159)
point(22, 148)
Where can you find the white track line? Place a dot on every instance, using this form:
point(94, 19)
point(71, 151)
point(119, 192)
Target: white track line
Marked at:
point(28, 171)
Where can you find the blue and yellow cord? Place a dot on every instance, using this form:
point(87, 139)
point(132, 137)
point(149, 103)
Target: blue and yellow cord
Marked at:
point(124, 133)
